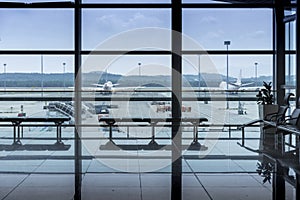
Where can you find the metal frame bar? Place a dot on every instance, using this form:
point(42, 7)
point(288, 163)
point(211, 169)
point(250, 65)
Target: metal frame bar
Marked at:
point(298, 55)
point(279, 73)
point(125, 5)
point(77, 78)
point(176, 38)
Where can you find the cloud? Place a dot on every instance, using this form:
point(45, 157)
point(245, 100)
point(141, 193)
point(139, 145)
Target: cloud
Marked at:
point(214, 34)
point(128, 21)
point(257, 33)
point(208, 19)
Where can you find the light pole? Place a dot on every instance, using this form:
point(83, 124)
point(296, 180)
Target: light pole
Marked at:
point(64, 71)
point(42, 73)
point(199, 74)
point(139, 69)
point(4, 69)
point(227, 43)
point(255, 73)
point(140, 81)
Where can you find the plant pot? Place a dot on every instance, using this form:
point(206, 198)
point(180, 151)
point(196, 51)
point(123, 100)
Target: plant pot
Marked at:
point(267, 136)
point(265, 109)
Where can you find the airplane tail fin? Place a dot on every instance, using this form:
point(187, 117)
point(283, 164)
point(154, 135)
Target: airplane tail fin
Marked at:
point(239, 79)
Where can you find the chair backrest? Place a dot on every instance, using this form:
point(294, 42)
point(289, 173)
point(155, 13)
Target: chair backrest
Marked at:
point(286, 99)
point(295, 117)
point(283, 108)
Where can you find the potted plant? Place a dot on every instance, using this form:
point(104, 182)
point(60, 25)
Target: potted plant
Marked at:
point(265, 95)
point(265, 100)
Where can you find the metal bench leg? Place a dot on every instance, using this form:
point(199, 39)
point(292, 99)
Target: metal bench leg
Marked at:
point(243, 136)
point(17, 134)
point(110, 144)
point(153, 142)
point(58, 134)
point(195, 145)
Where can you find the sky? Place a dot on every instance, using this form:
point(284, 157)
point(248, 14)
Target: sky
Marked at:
point(114, 29)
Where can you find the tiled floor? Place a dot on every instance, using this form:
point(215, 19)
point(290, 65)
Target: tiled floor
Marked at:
point(132, 186)
point(47, 175)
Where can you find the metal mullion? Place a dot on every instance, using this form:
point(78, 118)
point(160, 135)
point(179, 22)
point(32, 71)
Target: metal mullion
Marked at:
point(125, 5)
point(154, 52)
point(176, 63)
point(298, 57)
point(217, 52)
point(37, 52)
point(231, 52)
point(37, 5)
point(117, 52)
point(77, 102)
point(218, 6)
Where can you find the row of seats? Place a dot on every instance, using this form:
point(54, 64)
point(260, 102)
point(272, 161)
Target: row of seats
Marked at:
point(282, 124)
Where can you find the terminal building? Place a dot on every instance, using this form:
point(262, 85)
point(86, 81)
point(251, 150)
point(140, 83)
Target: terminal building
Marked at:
point(149, 99)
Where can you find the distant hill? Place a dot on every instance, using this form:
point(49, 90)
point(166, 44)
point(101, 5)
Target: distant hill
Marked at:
point(58, 80)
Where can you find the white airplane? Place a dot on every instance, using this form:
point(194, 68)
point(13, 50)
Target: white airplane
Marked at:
point(238, 85)
point(109, 88)
point(106, 88)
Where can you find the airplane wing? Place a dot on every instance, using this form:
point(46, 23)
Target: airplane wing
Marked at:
point(98, 85)
point(245, 84)
point(127, 89)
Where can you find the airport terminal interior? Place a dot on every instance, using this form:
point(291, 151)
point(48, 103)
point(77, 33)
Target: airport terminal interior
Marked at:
point(149, 99)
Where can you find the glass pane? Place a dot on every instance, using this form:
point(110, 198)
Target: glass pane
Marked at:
point(290, 61)
point(36, 29)
point(126, 29)
point(37, 72)
point(243, 67)
point(125, 74)
point(245, 28)
point(290, 35)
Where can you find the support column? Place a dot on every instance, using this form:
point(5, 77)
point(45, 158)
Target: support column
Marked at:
point(279, 73)
point(297, 54)
point(176, 188)
point(77, 103)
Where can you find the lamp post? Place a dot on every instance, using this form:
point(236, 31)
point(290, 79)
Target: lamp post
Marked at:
point(255, 73)
point(42, 73)
point(227, 43)
point(199, 75)
point(64, 71)
point(4, 69)
point(139, 64)
point(139, 69)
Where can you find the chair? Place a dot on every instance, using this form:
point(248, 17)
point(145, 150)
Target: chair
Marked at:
point(290, 126)
point(272, 119)
point(279, 116)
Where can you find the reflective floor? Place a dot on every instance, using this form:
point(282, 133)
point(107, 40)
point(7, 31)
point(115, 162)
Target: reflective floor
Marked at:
point(225, 170)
